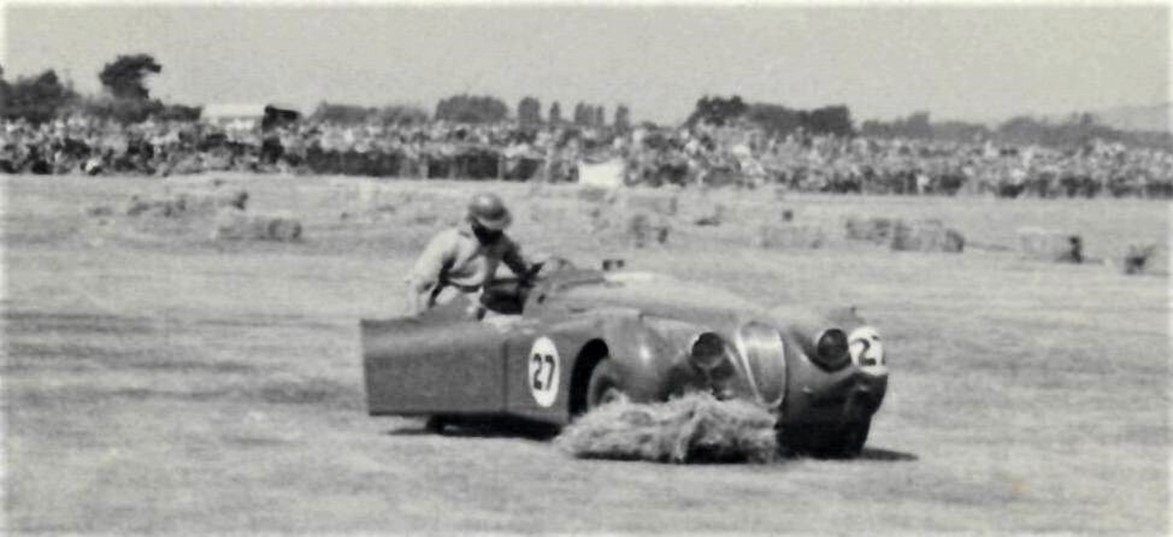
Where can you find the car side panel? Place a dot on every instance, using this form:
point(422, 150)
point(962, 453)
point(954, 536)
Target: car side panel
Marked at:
point(530, 389)
point(414, 367)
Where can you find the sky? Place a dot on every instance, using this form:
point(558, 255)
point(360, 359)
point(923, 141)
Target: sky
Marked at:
point(967, 61)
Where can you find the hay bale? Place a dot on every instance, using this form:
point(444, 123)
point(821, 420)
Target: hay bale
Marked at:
point(661, 203)
point(690, 429)
point(211, 202)
point(926, 236)
point(644, 229)
point(235, 224)
point(875, 229)
point(99, 211)
point(595, 195)
point(790, 236)
point(1047, 245)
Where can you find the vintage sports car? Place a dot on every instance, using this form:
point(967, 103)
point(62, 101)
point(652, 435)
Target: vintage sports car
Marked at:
point(572, 339)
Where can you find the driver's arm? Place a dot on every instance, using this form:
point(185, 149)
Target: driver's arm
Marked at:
point(426, 273)
point(516, 262)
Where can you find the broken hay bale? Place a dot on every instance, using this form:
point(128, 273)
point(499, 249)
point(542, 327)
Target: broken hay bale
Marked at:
point(1046, 245)
point(926, 236)
point(695, 428)
point(235, 224)
point(790, 236)
point(875, 229)
point(660, 203)
point(643, 229)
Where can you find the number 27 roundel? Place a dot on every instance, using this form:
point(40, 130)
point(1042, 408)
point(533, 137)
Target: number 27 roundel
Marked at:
point(543, 371)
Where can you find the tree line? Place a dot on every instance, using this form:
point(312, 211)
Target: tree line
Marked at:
point(1077, 129)
point(126, 98)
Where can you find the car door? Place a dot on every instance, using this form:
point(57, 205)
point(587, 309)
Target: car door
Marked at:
point(421, 366)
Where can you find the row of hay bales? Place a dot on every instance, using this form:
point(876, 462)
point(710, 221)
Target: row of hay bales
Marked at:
point(928, 235)
point(224, 210)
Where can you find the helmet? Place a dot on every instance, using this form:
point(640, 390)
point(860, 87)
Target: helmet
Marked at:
point(489, 211)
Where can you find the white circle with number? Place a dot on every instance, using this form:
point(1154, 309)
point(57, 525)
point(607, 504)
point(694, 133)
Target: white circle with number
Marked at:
point(867, 351)
point(543, 371)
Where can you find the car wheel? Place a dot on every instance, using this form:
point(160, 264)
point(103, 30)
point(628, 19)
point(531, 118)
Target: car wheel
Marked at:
point(435, 424)
point(847, 442)
point(853, 438)
point(603, 387)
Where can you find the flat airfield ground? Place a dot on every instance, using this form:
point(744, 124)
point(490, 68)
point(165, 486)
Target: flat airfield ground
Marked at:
point(164, 383)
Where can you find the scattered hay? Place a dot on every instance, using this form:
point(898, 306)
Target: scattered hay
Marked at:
point(1047, 245)
point(926, 236)
point(235, 224)
point(643, 229)
point(789, 236)
point(692, 429)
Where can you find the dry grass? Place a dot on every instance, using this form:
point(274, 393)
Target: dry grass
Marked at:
point(202, 387)
point(695, 428)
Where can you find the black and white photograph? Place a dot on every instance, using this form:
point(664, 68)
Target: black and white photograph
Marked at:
point(585, 268)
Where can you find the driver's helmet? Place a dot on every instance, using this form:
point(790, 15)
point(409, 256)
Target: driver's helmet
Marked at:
point(489, 211)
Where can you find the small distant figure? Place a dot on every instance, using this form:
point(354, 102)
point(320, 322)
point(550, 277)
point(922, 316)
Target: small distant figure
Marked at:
point(1075, 252)
point(1137, 258)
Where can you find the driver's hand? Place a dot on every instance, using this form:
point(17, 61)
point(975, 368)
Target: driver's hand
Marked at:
point(534, 270)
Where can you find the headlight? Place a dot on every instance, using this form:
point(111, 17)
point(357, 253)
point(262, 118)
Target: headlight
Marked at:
point(866, 348)
point(707, 351)
point(831, 350)
point(764, 355)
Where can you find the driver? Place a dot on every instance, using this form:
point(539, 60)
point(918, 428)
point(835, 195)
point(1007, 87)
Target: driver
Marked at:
point(463, 260)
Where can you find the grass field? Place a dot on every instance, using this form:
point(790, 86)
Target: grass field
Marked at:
point(155, 381)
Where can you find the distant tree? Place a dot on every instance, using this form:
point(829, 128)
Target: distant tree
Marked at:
point(529, 111)
point(600, 116)
point(776, 119)
point(179, 112)
point(345, 114)
point(401, 115)
point(122, 110)
point(830, 120)
point(960, 131)
point(4, 90)
point(472, 109)
point(622, 118)
point(717, 111)
point(37, 99)
point(555, 115)
point(918, 125)
point(580, 114)
point(125, 77)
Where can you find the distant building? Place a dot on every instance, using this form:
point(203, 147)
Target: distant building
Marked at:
point(248, 116)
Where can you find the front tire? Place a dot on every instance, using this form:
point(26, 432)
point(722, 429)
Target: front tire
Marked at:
point(435, 424)
point(843, 442)
point(603, 387)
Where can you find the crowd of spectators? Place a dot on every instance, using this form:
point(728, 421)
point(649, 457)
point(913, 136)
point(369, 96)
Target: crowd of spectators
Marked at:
point(695, 155)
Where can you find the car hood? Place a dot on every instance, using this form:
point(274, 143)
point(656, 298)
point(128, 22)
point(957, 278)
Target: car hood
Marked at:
point(659, 295)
